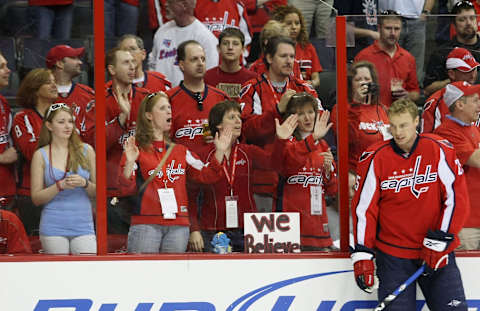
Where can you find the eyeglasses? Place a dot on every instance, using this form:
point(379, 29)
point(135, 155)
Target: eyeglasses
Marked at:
point(54, 107)
point(462, 5)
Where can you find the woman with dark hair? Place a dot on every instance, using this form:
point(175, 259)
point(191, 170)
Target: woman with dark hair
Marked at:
point(229, 198)
point(305, 53)
point(63, 178)
point(159, 170)
point(367, 117)
point(35, 94)
point(306, 179)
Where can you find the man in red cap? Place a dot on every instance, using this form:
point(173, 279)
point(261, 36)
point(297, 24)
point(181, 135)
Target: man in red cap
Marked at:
point(461, 66)
point(463, 102)
point(65, 64)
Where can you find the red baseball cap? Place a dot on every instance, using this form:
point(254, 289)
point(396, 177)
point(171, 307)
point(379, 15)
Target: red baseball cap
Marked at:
point(58, 52)
point(461, 59)
point(455, 90)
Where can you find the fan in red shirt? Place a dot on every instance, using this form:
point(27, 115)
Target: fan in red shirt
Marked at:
point(65, 64)
point(265, 98)
point(122, 102)
point(35, 95)
point(230, 74)
point(310, 175)
point(305, 53)
point(151, 80)
point(462, 100)
point(461, 66)
point(395, 66)
point(235, 186)
point(8, 154)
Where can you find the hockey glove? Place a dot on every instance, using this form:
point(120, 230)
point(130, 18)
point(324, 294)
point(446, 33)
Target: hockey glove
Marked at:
point(435, 249)
point(364, 268)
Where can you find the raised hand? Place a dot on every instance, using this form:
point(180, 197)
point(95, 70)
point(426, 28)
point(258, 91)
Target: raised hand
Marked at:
point(282, 105)
point(222, 143)
point(285, 130)
point(131, 149)
point(322, 125)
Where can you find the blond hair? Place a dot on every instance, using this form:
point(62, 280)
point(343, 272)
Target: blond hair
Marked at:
point(403, 105)
point(144, 131)
point(77, 156)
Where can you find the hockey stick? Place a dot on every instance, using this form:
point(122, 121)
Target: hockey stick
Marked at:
point(385, 302)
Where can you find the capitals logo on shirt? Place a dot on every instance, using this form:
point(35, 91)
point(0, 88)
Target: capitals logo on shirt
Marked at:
point(167, 42)
point(171, 171)
point(307, 177)
point(412, 179)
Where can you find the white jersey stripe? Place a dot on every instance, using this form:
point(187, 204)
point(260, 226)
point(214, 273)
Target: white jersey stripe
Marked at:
point(194, 162)
point(368, 191)
point(447, 177)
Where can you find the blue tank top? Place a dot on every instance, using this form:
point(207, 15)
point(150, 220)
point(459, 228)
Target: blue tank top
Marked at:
point(69, 213)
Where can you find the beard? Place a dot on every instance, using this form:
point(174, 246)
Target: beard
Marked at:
point(467, 35)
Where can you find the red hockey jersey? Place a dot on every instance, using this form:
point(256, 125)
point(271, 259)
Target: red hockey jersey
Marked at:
point(27, 124)
point(399, 196)
point(7, 173)
point(117, 135)
point(304, 189)
point(180, 165)
point(188, 119)
point(230, 83)
point(81, 99)
point(221, 14)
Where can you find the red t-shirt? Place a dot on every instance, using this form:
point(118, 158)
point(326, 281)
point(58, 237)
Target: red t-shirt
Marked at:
point(7, 174)
point(307, 59)
point(364, 128)
point(401, 65)
point(465, 139)
point(230, 83)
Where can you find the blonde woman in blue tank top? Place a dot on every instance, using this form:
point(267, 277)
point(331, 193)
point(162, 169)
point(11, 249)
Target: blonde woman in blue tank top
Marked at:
point(62, 179)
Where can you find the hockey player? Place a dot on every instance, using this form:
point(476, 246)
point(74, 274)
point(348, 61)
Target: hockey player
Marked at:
point(410, 203)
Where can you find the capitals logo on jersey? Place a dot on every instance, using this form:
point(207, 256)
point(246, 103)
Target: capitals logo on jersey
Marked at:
point(413, 179)
point(191, 129)
point(171, 171)
point(219, 25)
point(306, 178)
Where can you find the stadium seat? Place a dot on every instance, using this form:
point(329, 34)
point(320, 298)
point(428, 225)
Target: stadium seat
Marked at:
point(15, 17)
point(34, 51)
point(328, 86)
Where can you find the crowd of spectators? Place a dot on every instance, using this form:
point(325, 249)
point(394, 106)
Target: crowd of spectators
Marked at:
point(227, 117)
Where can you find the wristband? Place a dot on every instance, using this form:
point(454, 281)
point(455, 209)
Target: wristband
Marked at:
point(59, 188)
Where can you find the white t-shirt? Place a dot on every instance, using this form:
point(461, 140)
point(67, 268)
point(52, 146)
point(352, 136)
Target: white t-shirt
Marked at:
point(406, 8)
point(163, 57)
